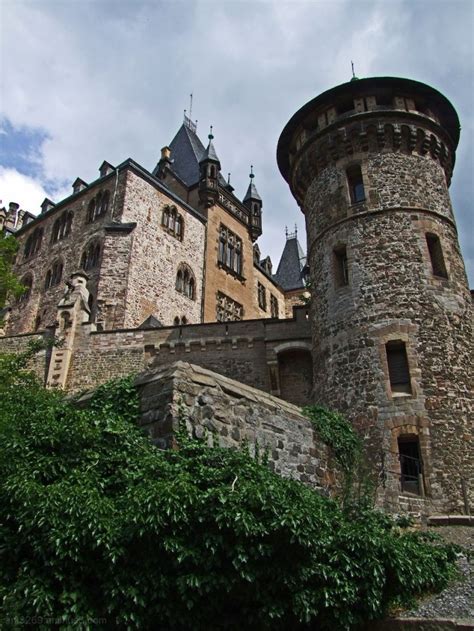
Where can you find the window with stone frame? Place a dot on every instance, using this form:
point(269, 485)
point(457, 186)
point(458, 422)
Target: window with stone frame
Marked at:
point(262, 296)
point(355, 183)
point(98, 206)
point(436, 255)
point(27, 282)
point(172, 221)
point(54, 275)
point(185, 281)
point(227, 309)
point(62, 227)
point(91, 256)
point(341, 268)
point(274, 310)
point(230, 251)
point(398, 367)
point(33, 243)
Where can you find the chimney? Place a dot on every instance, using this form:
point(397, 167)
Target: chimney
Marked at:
point(166, 153)
point(78, 185)
point(105, 168)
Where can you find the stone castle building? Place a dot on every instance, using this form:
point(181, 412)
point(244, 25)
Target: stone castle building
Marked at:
point(387, 338)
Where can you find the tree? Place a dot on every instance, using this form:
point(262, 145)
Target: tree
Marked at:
point(97, 526)
point(10, 287)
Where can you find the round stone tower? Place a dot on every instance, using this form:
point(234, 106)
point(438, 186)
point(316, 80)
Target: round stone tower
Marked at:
point(369, 163)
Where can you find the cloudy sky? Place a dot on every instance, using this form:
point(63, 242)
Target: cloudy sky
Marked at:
point(83, 81)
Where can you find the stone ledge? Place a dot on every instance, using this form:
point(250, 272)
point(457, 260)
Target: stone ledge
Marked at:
point(421, 624)
point(451, 520)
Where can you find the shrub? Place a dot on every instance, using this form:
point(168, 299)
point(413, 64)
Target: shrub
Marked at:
point(99, 527)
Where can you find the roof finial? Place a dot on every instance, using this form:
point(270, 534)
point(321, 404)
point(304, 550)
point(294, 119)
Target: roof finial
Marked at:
point(286, 232)
point(191, 105)
point(185, 114)
point(296, 230)
point(228, 178)
point(251, 175)
point(354, 78)
point(210, 136)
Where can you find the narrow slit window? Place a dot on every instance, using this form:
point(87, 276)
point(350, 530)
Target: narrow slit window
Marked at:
point(356, 184)
point(398, 368)
point(341, 269)
point(436, 255)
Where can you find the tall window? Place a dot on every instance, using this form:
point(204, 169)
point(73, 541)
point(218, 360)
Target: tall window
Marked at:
point(410, 464)
point(436, 255)
point(185, 282)
point(91, 256)
point(398, 368)
point(54, 275)
point(33, 243)
point(230, 251)
point(172, 222)
point(98, 206)
point(27, 282)
point(273, 306)
point(262, 296)
point(341, 269)
point(61, 227)
point(227, 309)
point(356, 184)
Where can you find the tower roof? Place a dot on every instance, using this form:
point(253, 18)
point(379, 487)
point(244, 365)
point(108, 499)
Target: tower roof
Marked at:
point(289, 274)
point(252, 192)
point(187, 150)
point(210, 153)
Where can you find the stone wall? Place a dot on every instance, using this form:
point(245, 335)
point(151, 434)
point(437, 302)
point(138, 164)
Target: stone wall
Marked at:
point(156, 254)
point(229, 414)
point(19, 344)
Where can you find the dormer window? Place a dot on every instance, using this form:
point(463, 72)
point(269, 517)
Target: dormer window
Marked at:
point(355, 184)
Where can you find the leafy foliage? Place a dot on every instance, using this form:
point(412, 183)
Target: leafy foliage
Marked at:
point(96, 524)
point(9, 284)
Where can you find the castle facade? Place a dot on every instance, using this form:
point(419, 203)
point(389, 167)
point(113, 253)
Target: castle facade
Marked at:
point(163, 266)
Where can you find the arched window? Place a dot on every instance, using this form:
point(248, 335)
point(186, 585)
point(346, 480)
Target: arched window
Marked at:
point(53, 275)
point(172, 221)
point(98, 206)
point(176, 321)
point(185, 281)
point(184, 320)
point(62, 227)
point(55, 231)
point(27, 282)
point(91, 256)
point(33, 243)
point(68, 224)
point(91, 211)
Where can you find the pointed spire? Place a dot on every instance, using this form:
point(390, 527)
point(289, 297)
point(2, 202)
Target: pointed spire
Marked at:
point(210, 152)
point(252, 192)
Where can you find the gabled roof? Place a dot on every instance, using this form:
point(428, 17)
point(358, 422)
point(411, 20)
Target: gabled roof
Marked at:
point(289, 273)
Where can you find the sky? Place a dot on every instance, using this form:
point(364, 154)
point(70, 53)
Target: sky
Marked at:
point(82, 81)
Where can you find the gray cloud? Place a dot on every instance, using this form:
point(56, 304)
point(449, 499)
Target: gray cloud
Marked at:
point(109, 80)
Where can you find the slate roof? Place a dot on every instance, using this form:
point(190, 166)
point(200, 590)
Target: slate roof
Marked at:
point(209, 153)
point(186, 151)
point(289, 273)
point(252, 192)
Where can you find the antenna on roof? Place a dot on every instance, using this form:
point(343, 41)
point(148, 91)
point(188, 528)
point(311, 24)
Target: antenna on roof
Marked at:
point(352, 66)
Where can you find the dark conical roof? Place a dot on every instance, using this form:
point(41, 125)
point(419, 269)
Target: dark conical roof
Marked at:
point(252, 193)
point(210, 153)
point(289, 274)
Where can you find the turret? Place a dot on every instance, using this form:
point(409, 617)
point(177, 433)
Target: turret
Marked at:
point(369, 163)
point(209, 168)
point(253, 202)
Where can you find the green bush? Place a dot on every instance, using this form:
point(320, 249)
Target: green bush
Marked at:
point(99, 527)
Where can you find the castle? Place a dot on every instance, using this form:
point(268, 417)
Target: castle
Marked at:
point(163, 266)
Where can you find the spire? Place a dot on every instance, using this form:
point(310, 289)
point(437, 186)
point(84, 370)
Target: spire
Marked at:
point(210, 153)
point(252, 193)
point(354, 78)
